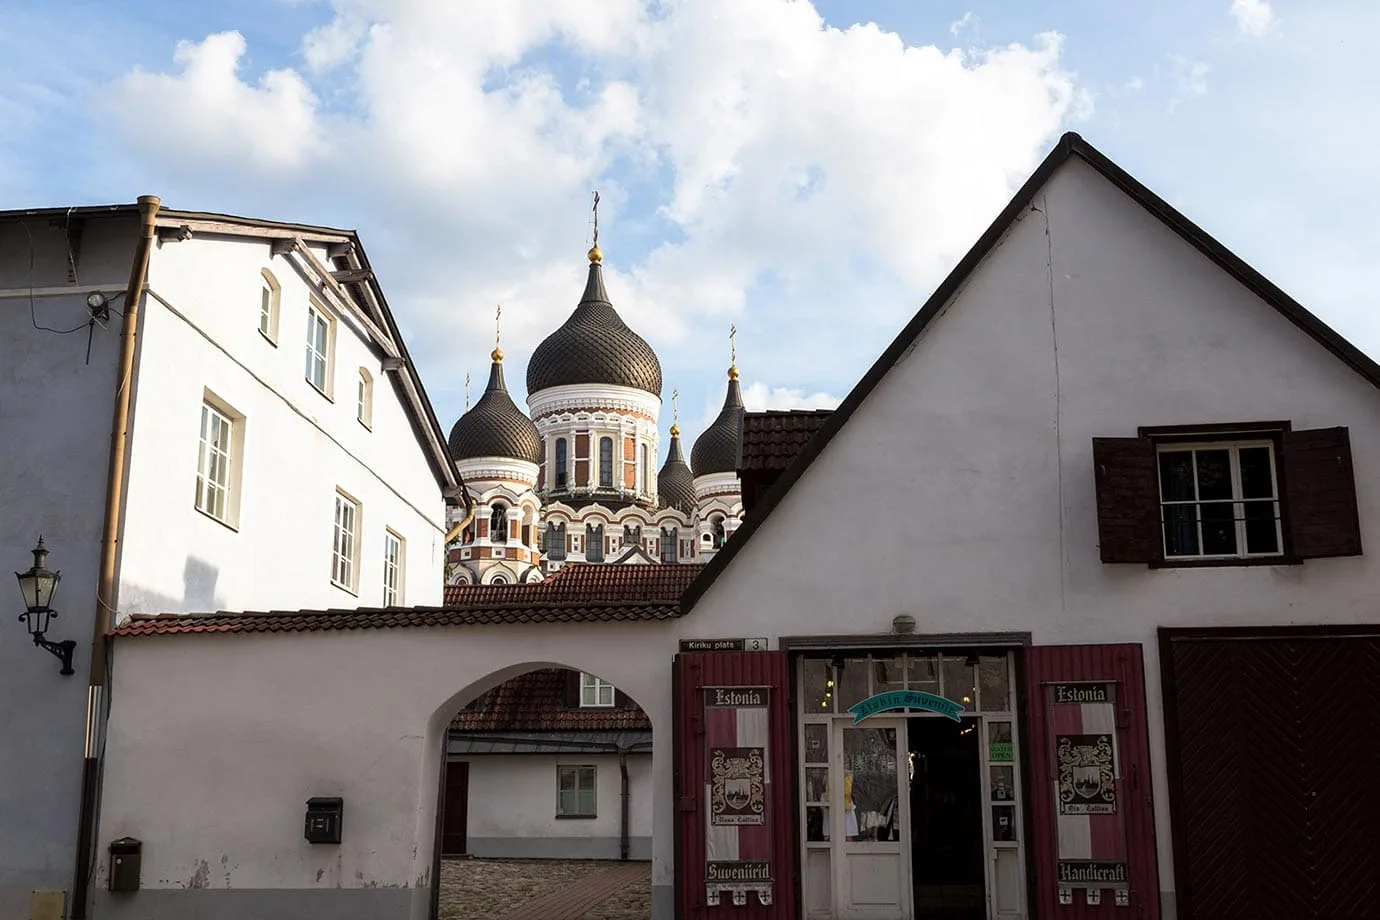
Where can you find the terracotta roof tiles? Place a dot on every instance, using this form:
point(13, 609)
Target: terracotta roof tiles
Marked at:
point(537, 701)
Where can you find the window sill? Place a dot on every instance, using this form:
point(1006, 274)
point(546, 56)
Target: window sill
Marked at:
point(596, 706)
point(346, 588)
point(324, 394)
point(1235, 562)
point(233, 528)
point(363, 424)
point(268, 338)
point(589, 817)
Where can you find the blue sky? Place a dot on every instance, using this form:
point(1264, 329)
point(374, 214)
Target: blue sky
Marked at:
point(807, 172)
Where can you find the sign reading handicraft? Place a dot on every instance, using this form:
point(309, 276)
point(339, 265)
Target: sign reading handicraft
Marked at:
point(737, 783)
point(1087, 774)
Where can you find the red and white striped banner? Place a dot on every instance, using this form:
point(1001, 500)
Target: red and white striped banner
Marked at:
point(738, 853)
point(1089, 812)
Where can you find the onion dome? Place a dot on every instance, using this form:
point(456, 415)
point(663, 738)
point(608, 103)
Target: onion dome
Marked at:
point(675, 484)
point(594, 346)
point(716, 450)
point(495, 427)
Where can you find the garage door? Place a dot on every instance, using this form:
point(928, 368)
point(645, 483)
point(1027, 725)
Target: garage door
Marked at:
point(1273, 744)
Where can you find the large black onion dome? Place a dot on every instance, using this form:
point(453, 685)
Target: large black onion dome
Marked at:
point(495, 427)
point(716, 449)
point(594, 346)
point(675, 484)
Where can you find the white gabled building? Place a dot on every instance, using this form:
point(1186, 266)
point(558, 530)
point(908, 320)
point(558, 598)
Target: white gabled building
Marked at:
point(244, 388)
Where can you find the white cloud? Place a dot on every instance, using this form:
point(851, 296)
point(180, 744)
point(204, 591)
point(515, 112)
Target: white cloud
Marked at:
point(1190, 79)
point(1254, 18)
point(759, 395)
point(207, 113)
point(774, 147)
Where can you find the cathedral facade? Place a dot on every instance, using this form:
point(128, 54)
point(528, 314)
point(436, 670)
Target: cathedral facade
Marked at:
point(574, 479)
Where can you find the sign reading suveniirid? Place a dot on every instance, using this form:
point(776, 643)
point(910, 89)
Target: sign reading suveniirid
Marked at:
point(1086, 770)
point(738, 844)
point(905, 699)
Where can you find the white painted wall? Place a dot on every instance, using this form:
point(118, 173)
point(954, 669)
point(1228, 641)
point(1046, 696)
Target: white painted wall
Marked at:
point(982, 433)
point(55, 411)
point(219, 771)
point(299, 447)
point(513, 797)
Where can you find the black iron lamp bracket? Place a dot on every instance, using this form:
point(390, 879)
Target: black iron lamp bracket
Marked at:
point(62, 650)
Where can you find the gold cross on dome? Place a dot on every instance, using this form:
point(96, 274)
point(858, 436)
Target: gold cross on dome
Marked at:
point(732, 345)
point(596, 217)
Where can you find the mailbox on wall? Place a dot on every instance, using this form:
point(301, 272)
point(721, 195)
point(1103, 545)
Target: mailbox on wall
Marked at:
point(126, 854)
point(324, 814)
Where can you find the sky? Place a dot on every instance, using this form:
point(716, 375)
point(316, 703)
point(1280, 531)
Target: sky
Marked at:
point(806, 172)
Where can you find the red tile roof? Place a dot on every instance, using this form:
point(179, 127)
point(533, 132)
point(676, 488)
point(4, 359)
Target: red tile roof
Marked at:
point(578, 593)
point(772, 439)
point(536, 701)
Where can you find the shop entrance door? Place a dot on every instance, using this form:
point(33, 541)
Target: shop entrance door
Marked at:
point(873, 824)
point(946, 850)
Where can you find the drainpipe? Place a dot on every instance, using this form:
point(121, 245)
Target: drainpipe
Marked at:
point(623, 843)
point(96, 706)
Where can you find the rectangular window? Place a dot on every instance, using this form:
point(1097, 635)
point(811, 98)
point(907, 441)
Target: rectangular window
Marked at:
point(392, 569)
point(575, 791)
point(318, 349)
point(562, 464)
point(595, 693)
point(345, 549)
point(213, 473)
point(1219, 500)
point(606, 463)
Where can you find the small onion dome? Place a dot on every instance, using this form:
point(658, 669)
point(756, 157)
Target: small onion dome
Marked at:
point(594, 346)
point(716, 450)
point(675, 484)
point(495, 427)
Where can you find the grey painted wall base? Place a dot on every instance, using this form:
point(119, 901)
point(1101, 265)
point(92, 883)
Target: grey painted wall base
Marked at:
point(1169, 906)
point(639, 848)
point(663, 902)
point(258, 903)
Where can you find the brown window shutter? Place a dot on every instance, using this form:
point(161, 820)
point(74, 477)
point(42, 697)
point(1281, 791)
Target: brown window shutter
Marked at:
point(572, 689)
point(1128, 500)
point(1320, 493)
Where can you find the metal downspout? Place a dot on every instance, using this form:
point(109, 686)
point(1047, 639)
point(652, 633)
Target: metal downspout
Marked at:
point(96, 704)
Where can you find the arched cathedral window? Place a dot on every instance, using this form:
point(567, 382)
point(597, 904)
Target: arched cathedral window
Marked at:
point(606, 463)
point(645, 475)
point(718, 533)
point(498, 524)
point(561, 466)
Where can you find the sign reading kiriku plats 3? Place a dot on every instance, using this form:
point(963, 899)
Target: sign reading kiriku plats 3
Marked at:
point(738, 842)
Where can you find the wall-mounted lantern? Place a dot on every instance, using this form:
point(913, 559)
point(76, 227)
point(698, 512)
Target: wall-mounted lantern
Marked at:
point(38, 586)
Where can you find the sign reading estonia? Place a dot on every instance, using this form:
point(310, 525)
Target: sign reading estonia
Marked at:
point(905, 699)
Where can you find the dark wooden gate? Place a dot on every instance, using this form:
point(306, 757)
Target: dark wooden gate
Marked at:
point(456, 802)
point(692, 672)
point(1274, 773)
point(1120, 664)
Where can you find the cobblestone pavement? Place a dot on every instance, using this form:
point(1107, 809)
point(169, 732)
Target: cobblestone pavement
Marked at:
point(486, 889)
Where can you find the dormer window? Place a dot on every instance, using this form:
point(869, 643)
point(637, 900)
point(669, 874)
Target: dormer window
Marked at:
point(595, 693)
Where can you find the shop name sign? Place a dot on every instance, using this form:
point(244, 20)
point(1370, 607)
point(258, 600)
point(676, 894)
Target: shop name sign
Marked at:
point(905, 699)
point(1084, 693)
point(736, 697)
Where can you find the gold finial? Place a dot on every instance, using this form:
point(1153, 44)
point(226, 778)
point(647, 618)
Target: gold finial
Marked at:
point(594, 254)
point(497, 353)
point(675, 413)
point(467, 392)
point(732, 352)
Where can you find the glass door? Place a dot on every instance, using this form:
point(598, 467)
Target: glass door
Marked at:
point(871, 820)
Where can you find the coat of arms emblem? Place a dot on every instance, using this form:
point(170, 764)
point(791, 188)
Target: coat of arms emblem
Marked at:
point(1087, 774)
point(737, 786)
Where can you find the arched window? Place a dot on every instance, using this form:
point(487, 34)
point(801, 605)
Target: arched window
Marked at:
point(498, 580)
point(269, 296)
point(561, 468)
point(606, 463)
point(364, 399)
point(645, 475)
point(718, 533)
point(498, 524)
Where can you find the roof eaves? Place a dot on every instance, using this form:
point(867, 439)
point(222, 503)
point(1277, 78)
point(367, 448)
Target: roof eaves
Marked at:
point(1069, 144)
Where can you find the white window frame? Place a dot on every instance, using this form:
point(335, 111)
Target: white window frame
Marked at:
point(364, 398)
point(595, 693)
point(270, 301)
point(394, 567)
point(319, 317)
point(227, 453)
point(346, 530)
point(582, 772)
point(1237, 502)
